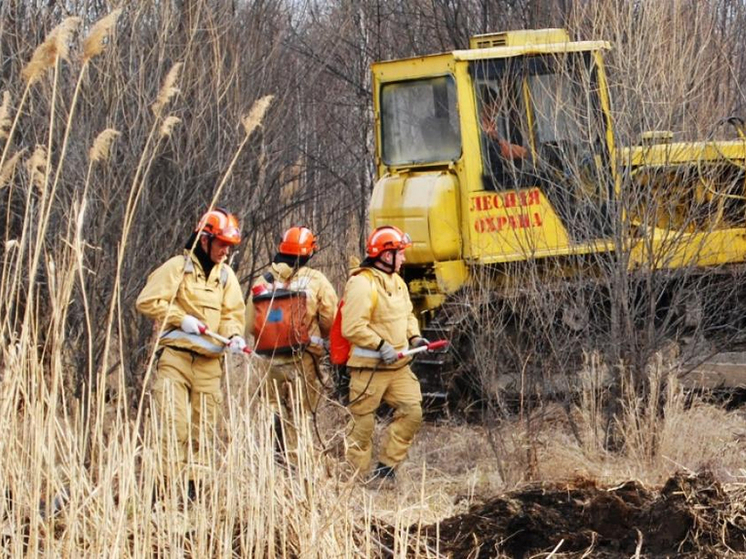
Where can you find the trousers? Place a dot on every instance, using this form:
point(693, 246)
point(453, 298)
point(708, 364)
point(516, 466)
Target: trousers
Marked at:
point(400, 389)
point(188, 401)
point(294, 388)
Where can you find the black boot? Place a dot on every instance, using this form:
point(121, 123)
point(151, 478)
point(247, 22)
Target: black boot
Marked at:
point(383, 472)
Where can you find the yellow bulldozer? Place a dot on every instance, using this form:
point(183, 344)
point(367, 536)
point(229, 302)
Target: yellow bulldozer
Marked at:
point(500, 162)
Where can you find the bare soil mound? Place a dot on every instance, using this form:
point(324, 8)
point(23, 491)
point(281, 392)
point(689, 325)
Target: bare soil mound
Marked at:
point(690, 515)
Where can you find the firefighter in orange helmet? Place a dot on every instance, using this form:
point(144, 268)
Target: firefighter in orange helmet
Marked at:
point(192, 292)
point(295, 380)
point(378, 322)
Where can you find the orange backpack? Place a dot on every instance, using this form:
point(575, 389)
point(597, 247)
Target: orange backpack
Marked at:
point(339, 347)
point(280, 320)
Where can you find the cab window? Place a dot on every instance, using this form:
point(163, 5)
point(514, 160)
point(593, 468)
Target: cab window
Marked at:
point(419, 122)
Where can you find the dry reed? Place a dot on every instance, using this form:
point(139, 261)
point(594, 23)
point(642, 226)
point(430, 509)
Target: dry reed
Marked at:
point(95, 41)
point(9, 167)
point(54, 47)
point(168, 89)
point(101, 148)
point(168, 125)
point(5, 116)
point(36, 167)
point(255, 116)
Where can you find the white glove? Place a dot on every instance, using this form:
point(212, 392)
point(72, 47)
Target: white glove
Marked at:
point(418, 341)
point(236, 344)
point(191, 325)
point(388, 353)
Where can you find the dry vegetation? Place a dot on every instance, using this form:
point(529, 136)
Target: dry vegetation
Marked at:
point(119, 126)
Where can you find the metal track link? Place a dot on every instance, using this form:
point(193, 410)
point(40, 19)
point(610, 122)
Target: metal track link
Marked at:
point(433, 368)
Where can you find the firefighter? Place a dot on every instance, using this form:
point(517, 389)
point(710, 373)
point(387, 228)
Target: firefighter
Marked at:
point(294, 379)
point(378, 322)
point(190, 293)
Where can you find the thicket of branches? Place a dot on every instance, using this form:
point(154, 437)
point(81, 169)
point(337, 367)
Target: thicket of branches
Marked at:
point(675, 65)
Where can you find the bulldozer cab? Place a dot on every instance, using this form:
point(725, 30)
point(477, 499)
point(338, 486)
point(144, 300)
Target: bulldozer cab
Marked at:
point(500, 153)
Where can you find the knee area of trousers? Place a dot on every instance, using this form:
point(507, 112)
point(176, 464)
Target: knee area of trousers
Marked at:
point(412, 414)
point(364, 425)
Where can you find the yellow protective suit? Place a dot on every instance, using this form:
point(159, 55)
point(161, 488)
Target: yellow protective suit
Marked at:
point(368, 320)
point(187, 389)
point(295, 382)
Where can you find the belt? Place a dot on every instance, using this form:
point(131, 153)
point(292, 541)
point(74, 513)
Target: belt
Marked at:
point(191, 352)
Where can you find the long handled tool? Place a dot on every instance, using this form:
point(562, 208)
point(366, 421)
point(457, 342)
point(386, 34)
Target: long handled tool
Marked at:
point(374, 354)
point(222, 339)
point(432, 346)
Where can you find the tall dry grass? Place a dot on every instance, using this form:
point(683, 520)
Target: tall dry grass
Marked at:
point(81, 462)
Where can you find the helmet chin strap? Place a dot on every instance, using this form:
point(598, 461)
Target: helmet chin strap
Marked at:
point(208, 252)
point(383, 266)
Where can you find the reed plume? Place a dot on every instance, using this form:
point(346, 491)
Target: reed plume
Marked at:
point(101, 148)
point(5, 116)
point(94, 43)
point(168, 89)
point(255, 117)
point(9, 167)
point(36, 167)
point(168, 124)
point(46, 54)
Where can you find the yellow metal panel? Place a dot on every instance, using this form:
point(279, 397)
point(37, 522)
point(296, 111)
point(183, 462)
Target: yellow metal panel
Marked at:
point(683, 152)
point(425, 206)
point(519, 37)
point(513, 225)
point(451, 275)
point(420, 66)
point(413, 68)
point(606, 107)
point(508, 52)
point(674, 249)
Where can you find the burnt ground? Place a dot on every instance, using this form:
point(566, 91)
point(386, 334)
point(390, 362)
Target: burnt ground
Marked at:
point(691, 515)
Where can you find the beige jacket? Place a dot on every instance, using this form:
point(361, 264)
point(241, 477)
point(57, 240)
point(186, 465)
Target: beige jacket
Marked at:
point(217, 301)
point(367, 322)
point(321, 301)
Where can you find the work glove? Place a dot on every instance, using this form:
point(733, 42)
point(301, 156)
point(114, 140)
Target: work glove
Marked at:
point(192, 325)
point(388, 353)
point(418, 341)
point(236, 344)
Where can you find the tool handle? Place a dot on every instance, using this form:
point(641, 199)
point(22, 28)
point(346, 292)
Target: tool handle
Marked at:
point(221, 339)
point(432, 346)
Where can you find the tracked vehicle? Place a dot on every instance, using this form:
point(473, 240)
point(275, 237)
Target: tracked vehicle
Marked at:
point(533, 233)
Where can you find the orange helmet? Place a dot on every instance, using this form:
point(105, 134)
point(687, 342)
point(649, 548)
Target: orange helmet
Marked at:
point(298, 241)
point(386, 238)
point(220, 224)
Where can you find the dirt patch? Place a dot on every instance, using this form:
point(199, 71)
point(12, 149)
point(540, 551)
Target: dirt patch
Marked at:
point(690, 515)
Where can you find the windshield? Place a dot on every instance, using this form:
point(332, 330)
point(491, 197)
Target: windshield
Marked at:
point(541, 116)
point(419, 121)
